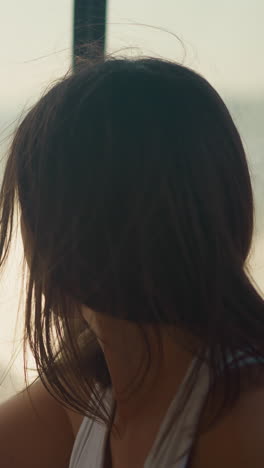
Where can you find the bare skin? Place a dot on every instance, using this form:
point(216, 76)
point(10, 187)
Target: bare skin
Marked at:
point(228, 443)
point(237, 438)
point(139, 417)
point(235, 441)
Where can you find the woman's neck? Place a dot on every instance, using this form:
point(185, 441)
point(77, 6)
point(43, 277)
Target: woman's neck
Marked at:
point(142, 388)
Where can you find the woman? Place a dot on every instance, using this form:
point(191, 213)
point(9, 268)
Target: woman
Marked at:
point(137, 217)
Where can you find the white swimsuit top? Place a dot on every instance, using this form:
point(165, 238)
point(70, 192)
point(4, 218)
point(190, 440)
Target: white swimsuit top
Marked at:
point(90, 443)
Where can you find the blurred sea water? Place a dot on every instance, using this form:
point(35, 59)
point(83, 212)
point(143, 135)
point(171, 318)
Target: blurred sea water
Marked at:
point(248, 114)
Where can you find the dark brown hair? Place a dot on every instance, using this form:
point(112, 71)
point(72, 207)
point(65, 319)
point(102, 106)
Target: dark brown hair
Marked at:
point(136, 200)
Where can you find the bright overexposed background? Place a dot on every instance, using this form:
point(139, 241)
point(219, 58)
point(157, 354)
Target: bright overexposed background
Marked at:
point(222, 40)
point(35, 50)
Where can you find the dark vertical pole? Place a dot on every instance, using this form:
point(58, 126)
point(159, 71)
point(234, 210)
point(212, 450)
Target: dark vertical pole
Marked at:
point(88, 29)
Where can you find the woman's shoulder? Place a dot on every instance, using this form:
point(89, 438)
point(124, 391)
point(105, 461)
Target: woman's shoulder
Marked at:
point(75, 420)
point(236, 439)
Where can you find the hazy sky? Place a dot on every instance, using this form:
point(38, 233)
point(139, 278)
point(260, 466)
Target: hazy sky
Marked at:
point(224, 40)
